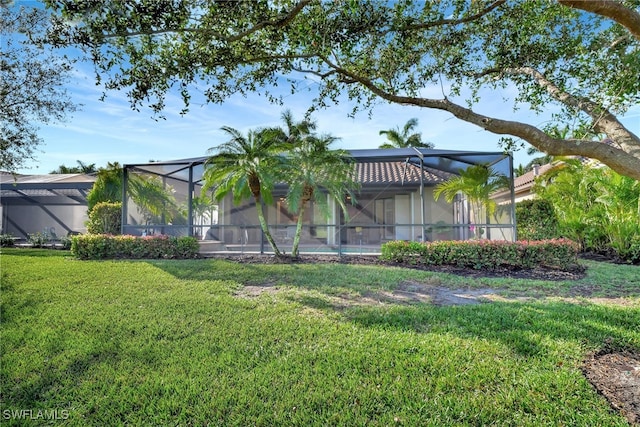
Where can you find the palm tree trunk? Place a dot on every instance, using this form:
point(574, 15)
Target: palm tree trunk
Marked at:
point(488, 221)
point(475, 207)
point(296, 238)
point(265, 228)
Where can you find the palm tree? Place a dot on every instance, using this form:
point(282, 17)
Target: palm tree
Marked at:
point(318, 171)
point(246, 166)
point(478, 183)
point(203, 208)
point(154, 200)
point(81, 168)
point(404, 138)
point(63, 169)
point(108, 185)
point(86, 168)
point(519, 171)
point(295, 131)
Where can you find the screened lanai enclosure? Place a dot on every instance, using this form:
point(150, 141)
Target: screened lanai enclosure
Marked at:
point(395, 202)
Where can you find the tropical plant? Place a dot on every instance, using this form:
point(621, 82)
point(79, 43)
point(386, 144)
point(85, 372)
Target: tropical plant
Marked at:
point(620, 197)
point(571, 191)
point(247, 166)
point(536, 220)
point(153, 199)
point(81, 168)
point(520, 170)
point(108, 186)
point(596, 206)
point(294, 131)
point(203, 207)
point(318, 173)
point(404, 138)
point(478, 183)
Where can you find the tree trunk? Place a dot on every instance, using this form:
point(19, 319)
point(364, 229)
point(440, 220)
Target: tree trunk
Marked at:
point(624, 160)
point(265, 229)
point(623, 15)
point(296, 239)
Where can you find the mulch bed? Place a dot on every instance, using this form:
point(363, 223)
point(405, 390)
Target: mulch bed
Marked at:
point(575, 273)
point(615, 374)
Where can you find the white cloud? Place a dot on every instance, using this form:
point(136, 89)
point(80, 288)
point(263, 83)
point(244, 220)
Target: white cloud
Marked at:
point(111, 131)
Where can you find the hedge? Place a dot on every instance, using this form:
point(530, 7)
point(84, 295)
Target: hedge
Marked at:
point(105, 246)
point(536, 220)
point(485, 254)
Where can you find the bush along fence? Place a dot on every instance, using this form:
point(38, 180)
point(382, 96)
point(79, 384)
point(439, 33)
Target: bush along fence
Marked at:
point(485, 254)
point(105, 246)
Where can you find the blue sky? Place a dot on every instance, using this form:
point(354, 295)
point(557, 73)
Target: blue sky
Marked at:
point(110, 131)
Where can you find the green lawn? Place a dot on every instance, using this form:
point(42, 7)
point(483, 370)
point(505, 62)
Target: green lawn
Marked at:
point(184, 343)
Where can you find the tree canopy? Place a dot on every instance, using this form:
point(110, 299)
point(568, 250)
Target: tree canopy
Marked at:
point(32, 89)
point(578, 60)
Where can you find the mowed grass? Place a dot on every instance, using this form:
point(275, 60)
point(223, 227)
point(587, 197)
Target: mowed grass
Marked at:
point(182, 343)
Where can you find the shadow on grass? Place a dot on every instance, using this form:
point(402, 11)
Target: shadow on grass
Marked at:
point(356, 294)
point(34, 390)
point(527, 328)
point(210, 269)
point(12, 308)
point(602, 280)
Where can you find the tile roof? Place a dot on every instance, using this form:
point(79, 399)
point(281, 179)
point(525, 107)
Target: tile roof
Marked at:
point(524, 182)
point(397, 173)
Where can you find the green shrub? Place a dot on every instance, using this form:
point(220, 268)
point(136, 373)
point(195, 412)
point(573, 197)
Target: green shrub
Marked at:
point(484, 254)
point(631, 253)
point(105, 218)
point(65, 241)
point(595, 206)
point(6, 240)
point(102, 246)
point(536, 220)
point(38, 239)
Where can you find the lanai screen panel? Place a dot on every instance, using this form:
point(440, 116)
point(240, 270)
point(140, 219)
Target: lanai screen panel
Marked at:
point(238, 224)
point(165, 198)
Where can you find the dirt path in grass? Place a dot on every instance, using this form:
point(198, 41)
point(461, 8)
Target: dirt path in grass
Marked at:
point(615, 374)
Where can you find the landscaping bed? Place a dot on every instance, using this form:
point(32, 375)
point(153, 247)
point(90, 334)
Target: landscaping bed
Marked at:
point(540, 273)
